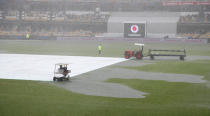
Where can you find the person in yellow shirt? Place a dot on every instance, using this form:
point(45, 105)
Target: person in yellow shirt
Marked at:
point(99, 49)
point(27, 36)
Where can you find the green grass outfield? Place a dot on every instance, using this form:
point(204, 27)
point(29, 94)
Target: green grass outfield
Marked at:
point(199, 67)
point(89, 48)
point(32, 98)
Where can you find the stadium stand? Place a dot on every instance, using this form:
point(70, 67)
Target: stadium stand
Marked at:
point(195, 18)
point(90, 17)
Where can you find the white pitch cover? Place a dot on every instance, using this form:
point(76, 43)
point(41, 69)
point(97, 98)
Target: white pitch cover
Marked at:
point(41, 67)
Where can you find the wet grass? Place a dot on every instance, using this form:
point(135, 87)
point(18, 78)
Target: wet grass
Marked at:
point(89, 48)
point(200, 67)
point(72, 48)
point(30, 98)
point(175, 94)
point(176, 99)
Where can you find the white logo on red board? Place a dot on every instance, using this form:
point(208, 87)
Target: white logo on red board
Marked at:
point(134, 28)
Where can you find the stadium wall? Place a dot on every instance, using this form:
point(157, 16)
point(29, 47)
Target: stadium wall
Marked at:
point(140, 40)
point(158, 24)
point(118, 39)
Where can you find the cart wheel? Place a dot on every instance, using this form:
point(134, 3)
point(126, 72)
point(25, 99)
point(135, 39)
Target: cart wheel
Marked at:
point(152, 57)
point(181, 57)
point(54, 79)
point(138, 55)
point(68, 78)
point(127, 55)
